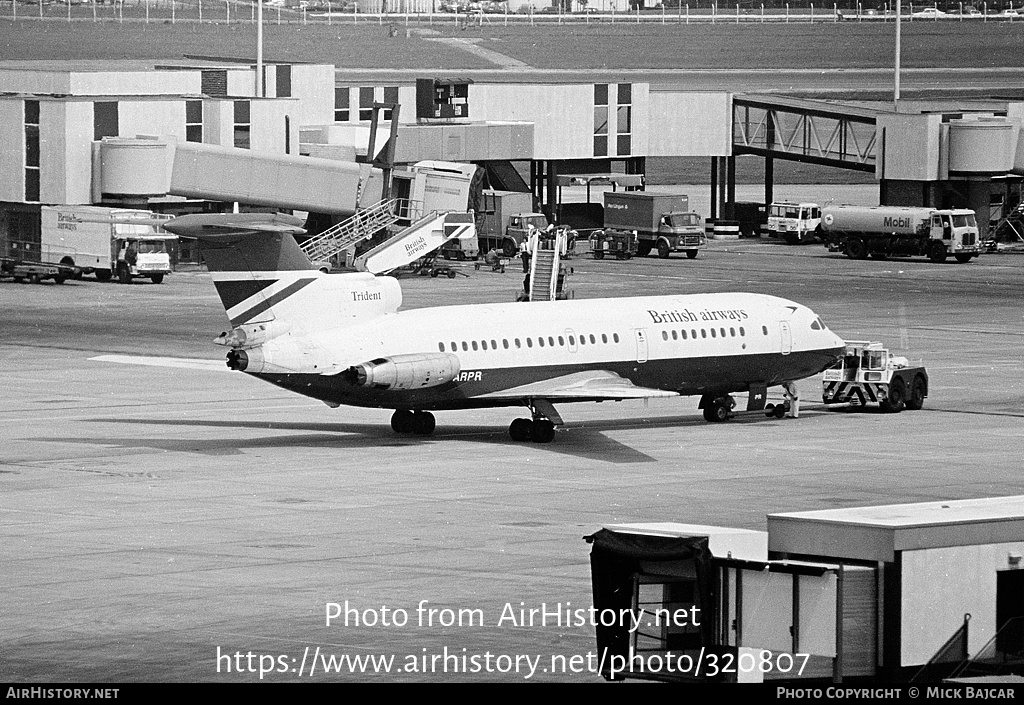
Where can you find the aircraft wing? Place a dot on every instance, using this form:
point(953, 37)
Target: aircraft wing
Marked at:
point(595, 384)
point(186, 363)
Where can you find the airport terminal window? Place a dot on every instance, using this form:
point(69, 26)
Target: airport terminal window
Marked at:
point(624, 119)
point(283, 80)
point(366, 103)
point(104, 120)
point(390, 96)
point(242, 124)
point(342, 109)
point(193, 121)
point(600, 119)
point(32, 179)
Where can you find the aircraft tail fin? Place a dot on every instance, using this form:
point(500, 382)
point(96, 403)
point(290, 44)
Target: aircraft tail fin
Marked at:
point(261, 274)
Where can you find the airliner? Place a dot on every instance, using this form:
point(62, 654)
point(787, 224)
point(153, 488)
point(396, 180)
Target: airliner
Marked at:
point(341, 339)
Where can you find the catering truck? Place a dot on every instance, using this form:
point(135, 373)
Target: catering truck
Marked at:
point(106, 242)
point(661, 221)
point(797, 223)
point(882, 231)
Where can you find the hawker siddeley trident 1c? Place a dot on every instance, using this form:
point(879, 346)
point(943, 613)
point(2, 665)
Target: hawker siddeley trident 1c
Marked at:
point(340, 338)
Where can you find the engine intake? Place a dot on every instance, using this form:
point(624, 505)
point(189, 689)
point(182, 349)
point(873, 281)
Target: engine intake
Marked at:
point(415, 371)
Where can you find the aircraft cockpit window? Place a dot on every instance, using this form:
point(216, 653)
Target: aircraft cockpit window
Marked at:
point(815, 325)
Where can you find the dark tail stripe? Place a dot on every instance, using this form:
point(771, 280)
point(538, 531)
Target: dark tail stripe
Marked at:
point(233, 293)
point(271, 301)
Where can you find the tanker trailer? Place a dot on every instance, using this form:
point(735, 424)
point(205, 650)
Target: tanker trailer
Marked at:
point(884, 231)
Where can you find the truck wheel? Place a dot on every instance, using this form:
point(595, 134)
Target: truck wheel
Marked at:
point(937, 252)
point(856, 248)
point(663, 249)
point(963, 258)
point(691, 254)
point(508, 248)
point(918, 391)
point(792, 239)
point(643, 248)
point(878, 255)
point(895, 400)
point(598, 254)
point(124, 275)
point(157, 278)
point(102, 275)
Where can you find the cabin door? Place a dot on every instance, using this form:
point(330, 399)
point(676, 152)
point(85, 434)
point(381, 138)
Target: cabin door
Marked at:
point(641, 344)
point(787, 337)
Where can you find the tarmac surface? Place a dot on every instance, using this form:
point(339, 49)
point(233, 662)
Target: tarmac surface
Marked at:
point(175, 525)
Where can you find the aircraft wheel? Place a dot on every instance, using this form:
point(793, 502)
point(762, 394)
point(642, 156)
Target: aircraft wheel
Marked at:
point(779, 411)
point(402, 421)
point(769, 410)
point(918, 391)
point(542, 431)
point(717, 411)
point(895, 400)
point(423, 423)
point(519, 429)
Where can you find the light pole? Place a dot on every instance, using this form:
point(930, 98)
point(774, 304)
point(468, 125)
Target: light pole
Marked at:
point(896, 87)
point(259, 48)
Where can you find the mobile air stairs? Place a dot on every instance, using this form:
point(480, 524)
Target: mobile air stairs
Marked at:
point(361, 226)
point(547, 271)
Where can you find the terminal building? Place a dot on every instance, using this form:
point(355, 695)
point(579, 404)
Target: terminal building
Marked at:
point(195, 135)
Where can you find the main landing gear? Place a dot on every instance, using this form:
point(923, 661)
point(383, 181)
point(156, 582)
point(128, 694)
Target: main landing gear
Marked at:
point(421, 423)
point(539, 429)
point(718, 409)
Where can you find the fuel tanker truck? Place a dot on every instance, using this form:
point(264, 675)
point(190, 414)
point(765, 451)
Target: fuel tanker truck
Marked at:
point(883, 231)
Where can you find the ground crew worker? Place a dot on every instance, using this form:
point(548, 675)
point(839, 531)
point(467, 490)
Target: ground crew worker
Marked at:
point(791, 395)
point(524, 251)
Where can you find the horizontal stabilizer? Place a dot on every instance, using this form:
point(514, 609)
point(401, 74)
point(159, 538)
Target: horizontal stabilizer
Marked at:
point(185, 363)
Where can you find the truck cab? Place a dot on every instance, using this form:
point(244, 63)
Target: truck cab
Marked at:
point(145, 256)
point(796, 222)
point(519, 228)
point(681, 232)
point(955, 232)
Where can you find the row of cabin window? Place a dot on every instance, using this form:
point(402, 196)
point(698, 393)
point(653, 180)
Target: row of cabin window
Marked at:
point(681, 334)
point(518, 343)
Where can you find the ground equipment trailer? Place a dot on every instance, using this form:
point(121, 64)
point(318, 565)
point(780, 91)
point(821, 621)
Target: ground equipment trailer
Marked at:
point(34, 272)
point(661, 221)
point(882, 231)
point(868, 374)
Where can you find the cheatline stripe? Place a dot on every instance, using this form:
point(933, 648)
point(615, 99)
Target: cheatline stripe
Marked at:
point(271, 301)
